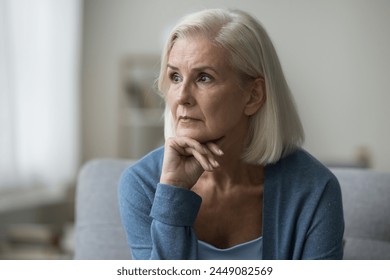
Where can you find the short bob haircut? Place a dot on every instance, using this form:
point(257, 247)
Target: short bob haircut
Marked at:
point(275, 129)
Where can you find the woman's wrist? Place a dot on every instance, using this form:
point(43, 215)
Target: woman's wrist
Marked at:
point(174, 182)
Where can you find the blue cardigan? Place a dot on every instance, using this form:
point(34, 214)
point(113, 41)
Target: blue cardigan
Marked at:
point(302, 211)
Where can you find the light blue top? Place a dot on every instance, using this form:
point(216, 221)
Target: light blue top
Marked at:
point(302, 211)
point(251, 250)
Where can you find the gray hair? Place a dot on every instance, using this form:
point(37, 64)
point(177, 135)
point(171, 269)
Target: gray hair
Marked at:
point(275, 130)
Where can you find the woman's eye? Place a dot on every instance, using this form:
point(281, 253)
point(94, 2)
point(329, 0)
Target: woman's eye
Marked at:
point(175, 78)
point(204, 78)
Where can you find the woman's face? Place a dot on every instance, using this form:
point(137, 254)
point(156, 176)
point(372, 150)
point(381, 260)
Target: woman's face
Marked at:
point(204, 93)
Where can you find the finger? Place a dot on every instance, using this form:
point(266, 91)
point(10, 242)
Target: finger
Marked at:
point(214, 148)
point(185, 142)
point(204, 153)
point(211, 155)
point(208, 163)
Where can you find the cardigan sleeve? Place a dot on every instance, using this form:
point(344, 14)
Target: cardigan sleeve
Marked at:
point(159, 225)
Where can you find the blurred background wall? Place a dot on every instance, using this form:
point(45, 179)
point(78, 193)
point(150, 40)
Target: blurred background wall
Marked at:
point(86, 91)
point(335, 55)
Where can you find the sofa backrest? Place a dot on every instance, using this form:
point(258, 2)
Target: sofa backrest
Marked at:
point(366, 202)
point(98, 230)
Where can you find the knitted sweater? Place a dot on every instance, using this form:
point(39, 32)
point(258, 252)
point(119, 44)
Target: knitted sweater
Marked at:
point(302, 211)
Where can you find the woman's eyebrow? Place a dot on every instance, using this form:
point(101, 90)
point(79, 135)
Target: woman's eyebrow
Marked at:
point(172, 67)
point(196, 69)
point(204, 68)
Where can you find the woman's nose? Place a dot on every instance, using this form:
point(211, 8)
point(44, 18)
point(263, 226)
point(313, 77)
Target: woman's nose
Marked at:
point(185, 95)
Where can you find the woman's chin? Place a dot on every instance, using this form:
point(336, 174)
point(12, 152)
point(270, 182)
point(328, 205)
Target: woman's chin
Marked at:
point(199, 137)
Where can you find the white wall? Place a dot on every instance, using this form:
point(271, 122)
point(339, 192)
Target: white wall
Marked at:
point(39, 93)
point(335, 55)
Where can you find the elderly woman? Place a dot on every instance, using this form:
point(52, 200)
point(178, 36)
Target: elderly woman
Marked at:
point(231, 181)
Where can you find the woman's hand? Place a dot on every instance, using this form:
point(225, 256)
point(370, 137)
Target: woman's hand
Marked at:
point(185, 160)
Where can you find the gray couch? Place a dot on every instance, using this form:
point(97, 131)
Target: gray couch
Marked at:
point(99, 233)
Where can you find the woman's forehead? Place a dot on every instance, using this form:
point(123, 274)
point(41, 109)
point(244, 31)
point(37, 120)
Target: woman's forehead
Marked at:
point(197, 52)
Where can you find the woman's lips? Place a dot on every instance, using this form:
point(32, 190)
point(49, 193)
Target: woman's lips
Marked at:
point(187, 119)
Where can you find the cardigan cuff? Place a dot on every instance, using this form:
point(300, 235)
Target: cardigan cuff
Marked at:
point(175, 206)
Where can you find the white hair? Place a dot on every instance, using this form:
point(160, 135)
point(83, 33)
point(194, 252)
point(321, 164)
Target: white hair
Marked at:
point(275, 130)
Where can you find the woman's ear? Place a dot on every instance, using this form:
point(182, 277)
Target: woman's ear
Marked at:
point(257, 97)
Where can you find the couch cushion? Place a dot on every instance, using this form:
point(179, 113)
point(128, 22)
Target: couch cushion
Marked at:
point(366, 249)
